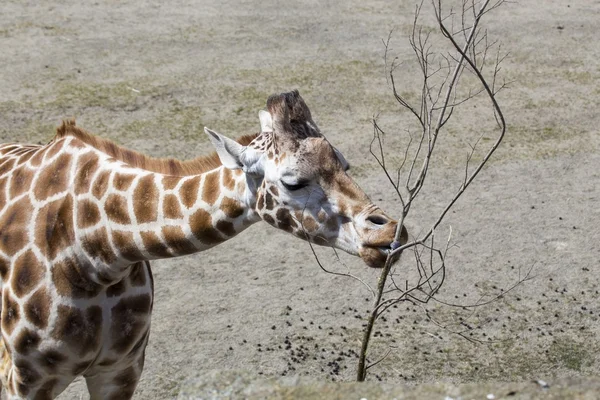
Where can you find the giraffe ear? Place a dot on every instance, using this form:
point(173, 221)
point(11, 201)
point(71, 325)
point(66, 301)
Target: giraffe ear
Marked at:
point(234, 155)
point(266, 121)
point(229, 151)
point(340, 156)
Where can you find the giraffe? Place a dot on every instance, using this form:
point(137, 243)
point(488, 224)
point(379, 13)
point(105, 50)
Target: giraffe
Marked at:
point(80, 219)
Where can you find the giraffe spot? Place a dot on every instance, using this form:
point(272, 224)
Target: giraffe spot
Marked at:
point(309, 224)
point(86, 168)
point(123, 181)
point(36, 159)
point(125, 243)
point(3, 192)
point(37, 308)
point(321, 216)
point(201, 226)
point(80, 329)
point(116, 289)
point(140, 345)
point(26, 376)
point(116, 209)
point(20, 181)
point(260, 201)
point(154, 245)
point(332, 224)
point(169, 181)
point(88, 214)
point(126, 378)
point(4, 266)
point(137, 276)
point(189, 191)
point(129, 320)
point(54, 227)
point(11, 312)
point(320, 240)
point(51, 360)
point(145, 200)
point(26, 155)
point(53, 178)
point(26, 341)
point(6, 165)
point(228, 180)
point(100, 185)
point(13, 225)
point(171, 208)
point(274, 190)
point(268, 201)
point(268, 219)
point(226, 227)
point(28, 272)
point(177, 241)
point(285, 220)
point(96, 245)
point(69, 280)
point(54, 148)
point(231, 207)
point(210, 190)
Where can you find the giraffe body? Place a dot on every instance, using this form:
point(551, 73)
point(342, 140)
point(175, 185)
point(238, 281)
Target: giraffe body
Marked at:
point(80, 218)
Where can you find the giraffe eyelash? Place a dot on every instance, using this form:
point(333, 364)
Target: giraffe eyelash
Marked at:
point(294, 187)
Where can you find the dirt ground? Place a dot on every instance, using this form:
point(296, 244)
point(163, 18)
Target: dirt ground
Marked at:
point(151, 74)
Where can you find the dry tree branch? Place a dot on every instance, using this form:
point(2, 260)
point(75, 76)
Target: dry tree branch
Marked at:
point(438, 100)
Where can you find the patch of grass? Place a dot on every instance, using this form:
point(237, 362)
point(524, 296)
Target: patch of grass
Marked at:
point(570, 354)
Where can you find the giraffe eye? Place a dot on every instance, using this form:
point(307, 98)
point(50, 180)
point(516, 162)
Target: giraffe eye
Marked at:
point(295, 186)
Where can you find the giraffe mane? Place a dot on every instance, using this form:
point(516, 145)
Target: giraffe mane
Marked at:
point(169, 166)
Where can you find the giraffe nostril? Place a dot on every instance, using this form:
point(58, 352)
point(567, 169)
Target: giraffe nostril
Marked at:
point(377, 219)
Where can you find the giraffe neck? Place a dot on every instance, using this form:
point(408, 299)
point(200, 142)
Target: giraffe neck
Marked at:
point(146, 215)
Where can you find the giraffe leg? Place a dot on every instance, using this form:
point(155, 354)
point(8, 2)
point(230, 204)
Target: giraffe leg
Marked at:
point(118, 383)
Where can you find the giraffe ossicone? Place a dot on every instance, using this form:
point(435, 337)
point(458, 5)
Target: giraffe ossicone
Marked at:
point(81, 217)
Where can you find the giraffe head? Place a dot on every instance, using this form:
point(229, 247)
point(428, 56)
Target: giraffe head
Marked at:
point(297, 182)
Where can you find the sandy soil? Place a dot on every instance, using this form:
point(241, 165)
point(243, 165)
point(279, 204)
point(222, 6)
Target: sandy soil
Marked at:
point(150, 74)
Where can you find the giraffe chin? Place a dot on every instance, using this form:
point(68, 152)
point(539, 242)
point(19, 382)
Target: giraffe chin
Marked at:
point(374, 257)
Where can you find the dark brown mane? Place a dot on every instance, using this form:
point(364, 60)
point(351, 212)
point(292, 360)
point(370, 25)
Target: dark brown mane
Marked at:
point(169, 166)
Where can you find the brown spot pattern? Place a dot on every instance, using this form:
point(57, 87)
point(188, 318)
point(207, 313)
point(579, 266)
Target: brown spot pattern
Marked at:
point(27, 273)
point(171, 207)
point(80, 329)
point(268, 219)
point(129, 321)
point(145, 200)
point(137, 276)
point(226, 227)
point(20, 181)
point(116, 209)
point(122, 181)
point(53, 178)
point(88, 214)
point(51, 360)
point(100, 184)
point(54, 227)
point(231, 208)
point(37, 308)
point(2, 192)
point(4, 266)
point(154, 245)
point(13, 225)
point(268, 201)
point(169, 182)
point(86, 168)
point(27, 376)
point(210, 190)
point(25, 341)
point(228, 180)
point(69, 281)
point(125, 243)
point(189, 191)
point(6, 165)
point(96, 245)
point(201, 225)
point(285, 220)
point(116, 289)
point(177, 241)
point(11, 313)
